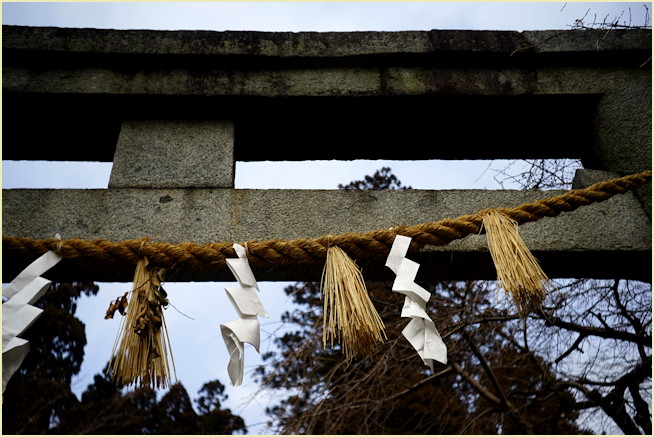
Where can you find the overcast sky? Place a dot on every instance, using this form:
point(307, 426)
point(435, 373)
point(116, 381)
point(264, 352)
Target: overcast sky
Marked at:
point(314, 16)
point(197, 345)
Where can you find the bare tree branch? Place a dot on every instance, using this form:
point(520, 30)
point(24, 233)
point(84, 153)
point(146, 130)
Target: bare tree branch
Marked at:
point(572, 348)
point(551, 320)
point(501, 402)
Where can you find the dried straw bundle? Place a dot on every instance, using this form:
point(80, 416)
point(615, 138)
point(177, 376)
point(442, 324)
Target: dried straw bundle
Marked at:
point(141, 356)
point(518, 271)
point(349, 317)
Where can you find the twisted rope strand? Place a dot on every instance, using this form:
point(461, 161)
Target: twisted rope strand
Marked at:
point(209, 257)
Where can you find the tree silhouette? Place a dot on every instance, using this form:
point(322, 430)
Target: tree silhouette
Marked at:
point(587, 352)
point(38, 399)
point(39, 392)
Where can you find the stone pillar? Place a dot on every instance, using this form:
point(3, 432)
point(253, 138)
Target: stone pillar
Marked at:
point(174, 154)
point(623, 131)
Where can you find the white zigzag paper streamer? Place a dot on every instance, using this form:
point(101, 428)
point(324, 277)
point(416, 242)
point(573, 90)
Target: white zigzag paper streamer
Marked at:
point(18, 314)
point(248, 306)
point(421, 331)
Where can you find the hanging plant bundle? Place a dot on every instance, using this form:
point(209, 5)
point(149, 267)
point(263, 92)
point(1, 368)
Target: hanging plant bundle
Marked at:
point(349, 317)
point(518, 271)
point(142, 348)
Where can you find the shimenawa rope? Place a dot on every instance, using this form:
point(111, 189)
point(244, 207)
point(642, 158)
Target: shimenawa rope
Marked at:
point(210, 257)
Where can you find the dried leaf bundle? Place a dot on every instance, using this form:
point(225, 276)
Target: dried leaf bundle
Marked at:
point(349, 317)
point(119, 305)
point(518, 271)
point(142, 348)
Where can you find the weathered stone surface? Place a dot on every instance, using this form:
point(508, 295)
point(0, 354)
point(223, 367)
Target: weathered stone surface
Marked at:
point(608, 233)
point(174, 154)
point(316, 44)
point(588, 80)
point(268, 44)
point(557, 41)
point(216, 82)
point(453, 80)
point(355, 95)
point(623, 135)
point(53, 60)
point(584, 178)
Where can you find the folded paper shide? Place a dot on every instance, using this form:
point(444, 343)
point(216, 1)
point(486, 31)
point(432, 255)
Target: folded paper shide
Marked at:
point(248, 306)
point(421, 331)
point(18, 314)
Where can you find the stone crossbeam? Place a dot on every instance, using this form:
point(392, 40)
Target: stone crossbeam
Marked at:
point(175, 110)
point(600, 240)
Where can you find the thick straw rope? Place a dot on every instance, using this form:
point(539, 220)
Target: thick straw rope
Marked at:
point(211, 257)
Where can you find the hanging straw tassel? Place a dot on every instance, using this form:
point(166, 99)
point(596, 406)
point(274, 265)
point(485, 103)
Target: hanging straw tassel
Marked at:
point(141, 355)
point(349, 317)
point(518, 271)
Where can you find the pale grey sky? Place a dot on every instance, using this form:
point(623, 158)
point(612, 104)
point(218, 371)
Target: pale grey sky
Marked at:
point(316, 16)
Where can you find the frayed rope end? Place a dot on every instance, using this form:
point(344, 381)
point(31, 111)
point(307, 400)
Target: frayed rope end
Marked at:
point(518, 271)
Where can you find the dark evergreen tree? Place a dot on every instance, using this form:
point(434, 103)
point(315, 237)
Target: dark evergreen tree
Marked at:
point(38, 399)
point(39, 392)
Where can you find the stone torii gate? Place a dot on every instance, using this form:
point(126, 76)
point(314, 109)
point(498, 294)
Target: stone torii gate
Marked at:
point(175, 110)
